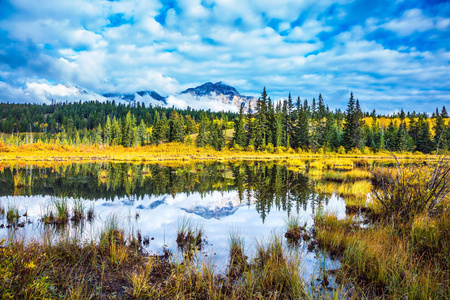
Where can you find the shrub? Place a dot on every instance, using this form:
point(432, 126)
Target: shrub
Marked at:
point(410, 190)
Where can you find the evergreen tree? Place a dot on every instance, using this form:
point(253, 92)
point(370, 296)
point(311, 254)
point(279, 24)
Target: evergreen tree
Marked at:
point(402, 140)
point(250, 127)
point(302, 127)
point(424, 143)
point(440, 136)
point(116, 136)
point(390, 136)
point(278, 125)
point(107, 132)
point(352, 136)
point(202, 139)
point(444, 113)
point(239, 137)
point(176, 127)
point(141, 133)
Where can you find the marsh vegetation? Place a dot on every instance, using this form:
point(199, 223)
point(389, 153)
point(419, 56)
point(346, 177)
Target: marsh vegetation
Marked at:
point(187, 230)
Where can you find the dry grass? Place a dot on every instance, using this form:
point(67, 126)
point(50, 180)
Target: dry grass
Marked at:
point(413, 266)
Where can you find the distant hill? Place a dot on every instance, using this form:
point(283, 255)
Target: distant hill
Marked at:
point(220, 92)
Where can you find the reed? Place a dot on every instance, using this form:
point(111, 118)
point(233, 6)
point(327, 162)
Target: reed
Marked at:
point(12, 214)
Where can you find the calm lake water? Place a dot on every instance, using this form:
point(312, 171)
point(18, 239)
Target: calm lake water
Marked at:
point(254, 199)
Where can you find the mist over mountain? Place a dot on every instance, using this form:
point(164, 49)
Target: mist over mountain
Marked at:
point(215, 96)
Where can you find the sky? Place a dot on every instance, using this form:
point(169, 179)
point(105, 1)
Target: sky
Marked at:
point(391, 54)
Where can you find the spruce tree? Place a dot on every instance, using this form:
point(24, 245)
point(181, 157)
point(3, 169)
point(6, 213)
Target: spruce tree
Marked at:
point(202, 139)
point(239, 137)
point(350, 124)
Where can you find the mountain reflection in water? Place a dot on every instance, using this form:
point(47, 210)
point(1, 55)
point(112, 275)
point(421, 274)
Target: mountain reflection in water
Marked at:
point(254, 198)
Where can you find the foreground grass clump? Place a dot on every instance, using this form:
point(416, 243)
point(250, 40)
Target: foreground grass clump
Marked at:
point(12, 214)
point(113, 267)
point(389, 263)
point(189, 236)
point(294, 229)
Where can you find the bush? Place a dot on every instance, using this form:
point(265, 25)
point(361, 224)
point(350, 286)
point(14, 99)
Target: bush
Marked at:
point(407, 191)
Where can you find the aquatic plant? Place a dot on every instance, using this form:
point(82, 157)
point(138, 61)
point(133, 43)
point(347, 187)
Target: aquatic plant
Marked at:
point(238, 259)
point(294, 229)
point(12, 214)
point(90, 213)
point(61, 209)
point(189, 235)
point(77, 211)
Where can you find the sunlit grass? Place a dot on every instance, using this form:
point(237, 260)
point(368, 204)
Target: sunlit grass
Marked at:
point(394, 264)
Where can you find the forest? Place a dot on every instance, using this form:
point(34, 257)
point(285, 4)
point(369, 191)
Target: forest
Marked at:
point(270, 126)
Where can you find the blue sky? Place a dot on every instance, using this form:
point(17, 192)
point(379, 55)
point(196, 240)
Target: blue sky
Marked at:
point(391, 54)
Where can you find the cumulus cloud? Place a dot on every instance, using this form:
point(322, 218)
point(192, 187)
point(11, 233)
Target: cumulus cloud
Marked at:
point(411, 21)
point(385, 52)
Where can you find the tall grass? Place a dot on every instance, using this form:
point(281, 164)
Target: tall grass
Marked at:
point(12, 214)
point(61, 209)
point(78, 211)
point(294, 229)
point(388, 264)
point(238, 259)
point(189, 236)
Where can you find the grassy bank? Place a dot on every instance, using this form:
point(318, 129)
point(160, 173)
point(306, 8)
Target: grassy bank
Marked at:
point(404, 252)
point(166, 152)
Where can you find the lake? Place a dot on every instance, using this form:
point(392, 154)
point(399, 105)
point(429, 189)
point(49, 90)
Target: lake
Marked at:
point(253, 199)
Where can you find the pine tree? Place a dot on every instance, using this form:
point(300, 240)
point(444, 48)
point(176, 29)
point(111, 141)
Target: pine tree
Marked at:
point(239, 137)
point(353, 134)
point(440, 134)
point(444, 113)
point(250, 128)
point(221, 135)
point(328, 129)
point(116, 136)
point(176, 128)
point(202, 139)
point(302, 127)
point(390, 136)
point(278, 125)
point(107, 132)
point(350, 124)
point(424, 143)
point(402, 142)
point(142, 133)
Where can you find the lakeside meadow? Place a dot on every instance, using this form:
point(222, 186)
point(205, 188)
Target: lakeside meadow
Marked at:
point(279, 203)
point(170, 224)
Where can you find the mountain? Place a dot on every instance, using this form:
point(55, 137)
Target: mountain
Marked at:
point(136, 96)
point(220, 92)
point(214, 96)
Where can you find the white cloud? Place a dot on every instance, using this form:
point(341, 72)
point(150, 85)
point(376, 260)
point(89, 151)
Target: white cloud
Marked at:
point(411, 21)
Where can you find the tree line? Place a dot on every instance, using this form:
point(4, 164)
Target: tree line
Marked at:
point(270, 126)
point(314, 126)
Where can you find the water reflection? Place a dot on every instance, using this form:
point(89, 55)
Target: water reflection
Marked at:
point(269, 186)
point(254, 198)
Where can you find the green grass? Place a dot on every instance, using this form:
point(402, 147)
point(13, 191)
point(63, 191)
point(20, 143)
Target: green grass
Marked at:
point(294, 229)
point(189, 236)
point(78, 211)
point(390, 264)
point(12, 214)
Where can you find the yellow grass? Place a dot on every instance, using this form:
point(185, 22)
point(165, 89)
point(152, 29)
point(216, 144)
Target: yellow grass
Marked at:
point(173, 151)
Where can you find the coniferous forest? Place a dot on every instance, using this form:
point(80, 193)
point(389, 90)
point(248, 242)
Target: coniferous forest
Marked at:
point(290, 123)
